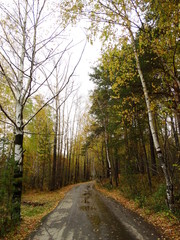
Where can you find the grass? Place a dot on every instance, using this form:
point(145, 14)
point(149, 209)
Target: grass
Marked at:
point(35, 205)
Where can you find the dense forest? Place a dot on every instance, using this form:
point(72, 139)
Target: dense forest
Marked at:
point(127, 136)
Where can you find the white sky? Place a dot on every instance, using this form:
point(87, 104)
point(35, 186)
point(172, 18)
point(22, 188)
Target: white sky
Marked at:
point(89, 59)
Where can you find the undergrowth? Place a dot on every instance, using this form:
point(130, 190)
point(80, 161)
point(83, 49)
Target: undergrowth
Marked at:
point(136, 188)
point(135, 194)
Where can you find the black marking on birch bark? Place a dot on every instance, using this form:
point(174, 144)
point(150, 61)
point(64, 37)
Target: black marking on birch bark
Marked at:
point(18, 174)
point(17, 171)
point(16, 198)
point(18, 139)
point(159, 153)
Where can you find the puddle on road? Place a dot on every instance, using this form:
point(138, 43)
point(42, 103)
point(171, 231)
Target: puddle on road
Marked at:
point(104, 224)
point(87, 208)
point(95, 220)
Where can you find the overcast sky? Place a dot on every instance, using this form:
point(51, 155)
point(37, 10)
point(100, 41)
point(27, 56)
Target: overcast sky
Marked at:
point(89, 59)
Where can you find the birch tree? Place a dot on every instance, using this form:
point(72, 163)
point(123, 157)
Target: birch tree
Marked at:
point(31, 37)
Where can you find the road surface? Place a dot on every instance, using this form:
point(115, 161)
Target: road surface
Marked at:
point(85, 214)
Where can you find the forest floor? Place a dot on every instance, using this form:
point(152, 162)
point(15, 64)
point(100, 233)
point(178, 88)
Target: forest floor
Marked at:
point(166, 223)
point(36, 205)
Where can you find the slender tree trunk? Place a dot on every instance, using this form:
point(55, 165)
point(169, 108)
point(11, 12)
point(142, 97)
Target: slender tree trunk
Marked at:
point(116, 168)
point(169, 184)
point(43, 175)
point(73, 165)
point(76, 170)
point(64, 164)
point(70, 162)
point(84, 173)
point(103, 164)
point(177, 100)
point(127, 162)
point(175, 133)
point(153, 157)
point(107, 156)
point(87, 166)
point(59, 150)
point(146, 158)
point(106, 145)
point(53, 183)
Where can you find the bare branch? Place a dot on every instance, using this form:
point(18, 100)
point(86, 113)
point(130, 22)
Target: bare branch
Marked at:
point(9, 81)
point(7, 115)
point(7, 123)
point(44, 105)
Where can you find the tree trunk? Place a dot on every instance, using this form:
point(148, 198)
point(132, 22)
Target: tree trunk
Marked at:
point(103, 164)
point(18, 157)
point(107, 156)
point(169, 184)
point(53, 183)
point(153, 157)
point(116, 168)
point(175, 133)
point(177, 100)
point(146, 158)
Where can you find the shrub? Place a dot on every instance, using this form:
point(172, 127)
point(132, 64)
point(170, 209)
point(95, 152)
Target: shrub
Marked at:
point(157, 202)
point(6, 193)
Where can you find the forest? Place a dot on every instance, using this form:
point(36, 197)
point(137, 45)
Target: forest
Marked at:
point(126, 137)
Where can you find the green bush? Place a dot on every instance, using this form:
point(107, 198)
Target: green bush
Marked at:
point(141, 200)
point(157, 202)
point(107, 186)
point(6, 193)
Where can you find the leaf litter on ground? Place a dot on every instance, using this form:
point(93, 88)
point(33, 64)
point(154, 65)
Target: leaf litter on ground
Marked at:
point(36, 205)
point(168, 225)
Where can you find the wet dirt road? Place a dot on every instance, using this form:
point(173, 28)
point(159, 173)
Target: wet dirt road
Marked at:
point(85, 214)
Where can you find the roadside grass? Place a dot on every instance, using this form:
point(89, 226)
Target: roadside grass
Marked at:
point(151, 207)
point(35, 205)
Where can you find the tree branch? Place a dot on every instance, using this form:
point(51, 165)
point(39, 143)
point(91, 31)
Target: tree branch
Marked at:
point(44, 105)
point(7, 115)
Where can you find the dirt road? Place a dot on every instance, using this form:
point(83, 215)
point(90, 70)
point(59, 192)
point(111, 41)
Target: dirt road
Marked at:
point(85, 214)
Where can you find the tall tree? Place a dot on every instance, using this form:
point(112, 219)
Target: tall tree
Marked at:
point(111, 17)
point(27, 48)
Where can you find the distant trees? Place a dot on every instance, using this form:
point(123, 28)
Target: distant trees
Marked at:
point(38, 148)
point(119, 21)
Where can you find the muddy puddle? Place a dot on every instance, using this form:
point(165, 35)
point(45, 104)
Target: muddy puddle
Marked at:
point(104, 224)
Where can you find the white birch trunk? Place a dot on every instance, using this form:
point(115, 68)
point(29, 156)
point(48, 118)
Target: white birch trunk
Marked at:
point(169, 185)
point(18, 157)
point(18, 135)
point(18, 143)
point(107, 155)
